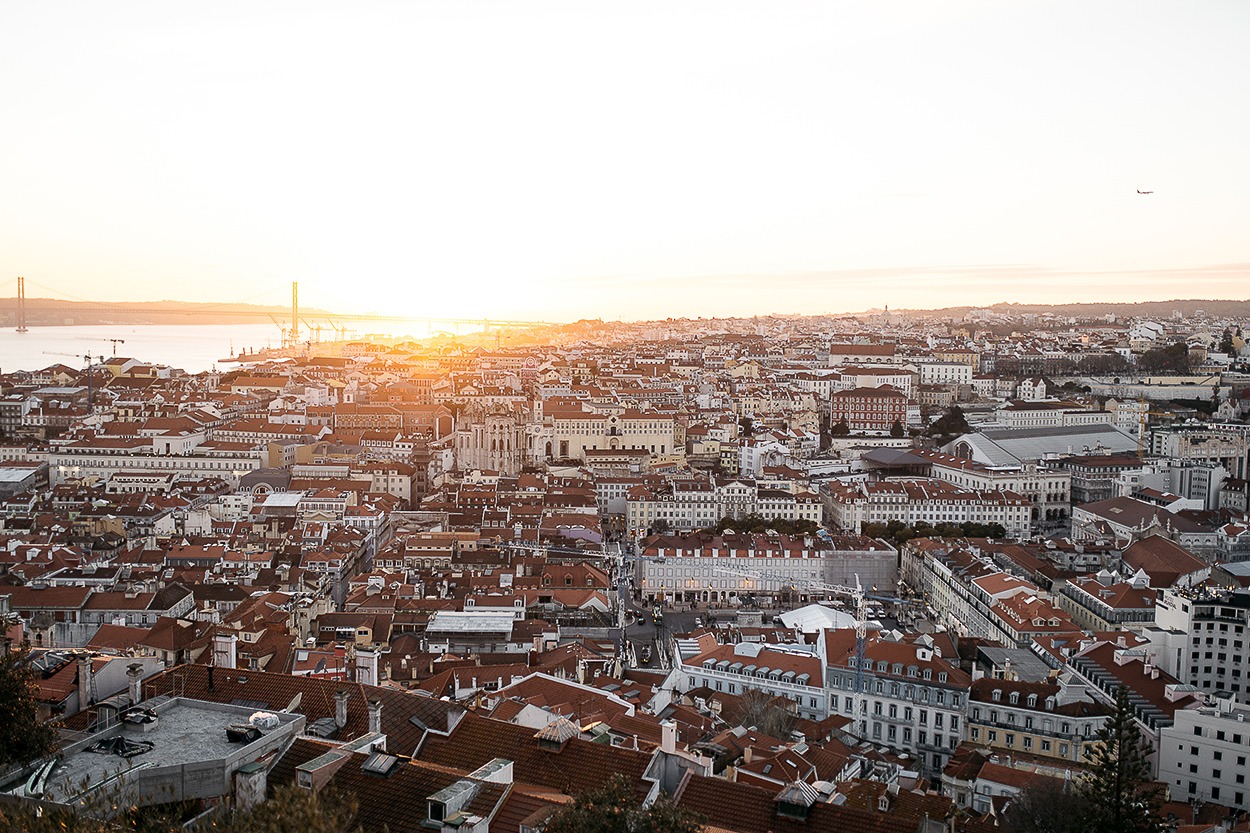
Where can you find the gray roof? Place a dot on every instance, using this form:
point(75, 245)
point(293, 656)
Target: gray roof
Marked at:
point(1024, 663)
point(1015, 446)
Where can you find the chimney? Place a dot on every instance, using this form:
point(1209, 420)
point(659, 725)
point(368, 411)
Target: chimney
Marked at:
point(668, 736)
point(367, 666)
point(251, 782)
point(340, 707)
point(134, 672)
point(225, 650)
point(375, 717)
point(85, 681)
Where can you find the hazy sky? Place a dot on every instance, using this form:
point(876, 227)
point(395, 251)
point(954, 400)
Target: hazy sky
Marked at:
point(548, 160)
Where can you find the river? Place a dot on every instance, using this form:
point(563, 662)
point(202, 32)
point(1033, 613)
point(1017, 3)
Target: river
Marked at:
point(191, 347)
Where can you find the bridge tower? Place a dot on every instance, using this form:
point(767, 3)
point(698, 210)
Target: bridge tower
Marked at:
point(294, 312)
point(21, 304)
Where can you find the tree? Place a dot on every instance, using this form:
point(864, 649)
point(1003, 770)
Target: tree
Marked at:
point(25, 737)
point(1046, 805)
point(1172, 358)
point(616, 807)
point(765, 712)
point(1119, 795)
point(897, 430)
point(840, 429)
point(949, 425)
point(1226, 342)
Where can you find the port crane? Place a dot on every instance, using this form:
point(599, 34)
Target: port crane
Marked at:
point(87, 368)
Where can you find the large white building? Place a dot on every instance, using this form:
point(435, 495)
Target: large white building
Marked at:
point(1050, 490)
point(734, 669)
point(576, 429)
point(707, 568)
point(1200, 637)
point(1203, 754)
point(102, 458)
point(687, 505)
point(929, 500)
point(917, 701)
point(945, 373)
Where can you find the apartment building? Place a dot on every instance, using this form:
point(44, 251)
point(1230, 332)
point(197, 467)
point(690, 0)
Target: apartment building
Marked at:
point(915, 500)
point(1103, 602)
point(1227, 446)
point(1200, 637)
point(794, 674)
point(1203, 754)
point(868, 409)
point(104, 457)
point(916, 699)
point(1045, 719)
point(1048, 488)
point(687, 505)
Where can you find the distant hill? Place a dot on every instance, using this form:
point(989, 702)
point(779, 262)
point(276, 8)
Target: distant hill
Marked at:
point(42, 312)
point(1144, 309)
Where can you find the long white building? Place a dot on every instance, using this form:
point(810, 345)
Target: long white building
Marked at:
point(687, 505)
point(103, 458)
point(706, 568)
point(915, 500)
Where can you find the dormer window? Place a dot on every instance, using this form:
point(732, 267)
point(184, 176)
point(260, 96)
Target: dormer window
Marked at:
point(1015, 697)
point(1050, 703)
point(928, 673)
point(942, 677)
point(883, 804)
point(1032, 701)
point(897, 669)
point(996, 696)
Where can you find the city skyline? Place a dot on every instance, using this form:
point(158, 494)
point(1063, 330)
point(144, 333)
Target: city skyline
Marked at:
point(555, 162)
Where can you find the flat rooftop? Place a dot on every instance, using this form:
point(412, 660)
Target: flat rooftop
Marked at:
point(190, 755)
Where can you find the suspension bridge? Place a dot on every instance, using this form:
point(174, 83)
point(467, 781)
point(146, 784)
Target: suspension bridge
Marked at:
point(15, 310)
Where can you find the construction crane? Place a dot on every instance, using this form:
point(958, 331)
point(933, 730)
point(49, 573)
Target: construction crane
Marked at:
point(859, 700)
point(116, 341)
point(89, 366)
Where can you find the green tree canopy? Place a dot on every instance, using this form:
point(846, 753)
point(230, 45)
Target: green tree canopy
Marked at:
point(24, 737)
point(1120, 795)
point(1174, 358)
point(616, 807)
point(897, 430)
point(949, 425)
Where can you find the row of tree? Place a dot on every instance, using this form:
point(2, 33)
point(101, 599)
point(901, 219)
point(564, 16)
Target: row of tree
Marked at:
point(899, 533)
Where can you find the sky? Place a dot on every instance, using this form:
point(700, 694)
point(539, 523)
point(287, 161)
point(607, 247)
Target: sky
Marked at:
point(561, 160)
